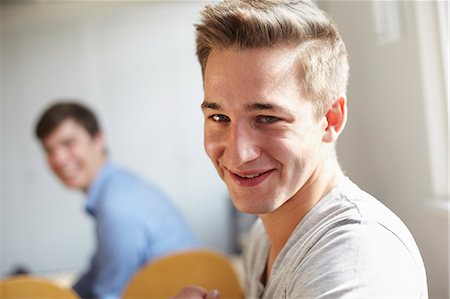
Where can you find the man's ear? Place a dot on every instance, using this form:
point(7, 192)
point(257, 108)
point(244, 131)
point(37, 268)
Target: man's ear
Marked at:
point(336, 118)
point(100, 141)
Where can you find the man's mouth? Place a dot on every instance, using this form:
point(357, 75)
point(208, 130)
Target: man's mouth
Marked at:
point(250, 179)
point(67, 172)
point(251, 176)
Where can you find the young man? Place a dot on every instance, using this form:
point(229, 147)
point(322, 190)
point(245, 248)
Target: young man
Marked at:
point(135, 223)
point(275, 75)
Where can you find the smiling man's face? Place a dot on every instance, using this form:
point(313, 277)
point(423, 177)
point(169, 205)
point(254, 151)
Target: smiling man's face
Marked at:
point(260, 132)
point(73, 154)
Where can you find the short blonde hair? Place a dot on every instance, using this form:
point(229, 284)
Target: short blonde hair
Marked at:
point(246, 24)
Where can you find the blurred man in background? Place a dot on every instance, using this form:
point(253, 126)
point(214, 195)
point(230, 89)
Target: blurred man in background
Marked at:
point(275, 76)
point(135, 223)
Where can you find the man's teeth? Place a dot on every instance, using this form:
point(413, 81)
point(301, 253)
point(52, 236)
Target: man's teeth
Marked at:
point(251, 176)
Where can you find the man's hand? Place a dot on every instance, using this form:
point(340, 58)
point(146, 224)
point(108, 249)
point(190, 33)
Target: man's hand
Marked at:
point(194, 292)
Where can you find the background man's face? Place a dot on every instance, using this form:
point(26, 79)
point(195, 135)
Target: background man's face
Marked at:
point(260, 132)
point(73, 154)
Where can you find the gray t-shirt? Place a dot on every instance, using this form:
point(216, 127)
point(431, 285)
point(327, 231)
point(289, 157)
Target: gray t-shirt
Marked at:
point(349, 245)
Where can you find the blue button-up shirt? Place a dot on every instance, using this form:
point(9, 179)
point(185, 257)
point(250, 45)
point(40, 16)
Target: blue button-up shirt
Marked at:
point(135, 223)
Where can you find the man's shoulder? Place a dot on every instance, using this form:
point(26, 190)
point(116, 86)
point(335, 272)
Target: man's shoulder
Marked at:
point(122, 182)
point(373, 213)
point(131, 198)
point(347, 203)
point(349, 218)
point(120, 175)
point(351, 234)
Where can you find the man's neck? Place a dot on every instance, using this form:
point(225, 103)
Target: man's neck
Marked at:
point(281, 223)
point(100, 163)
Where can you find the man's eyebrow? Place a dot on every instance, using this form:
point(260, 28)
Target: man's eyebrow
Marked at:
point(261, 106)
point(210, 105)
point(249, 107)
point(266, 106)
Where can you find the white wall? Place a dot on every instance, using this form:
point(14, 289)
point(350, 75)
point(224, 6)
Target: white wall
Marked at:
point(135, 64)
point(385, 147)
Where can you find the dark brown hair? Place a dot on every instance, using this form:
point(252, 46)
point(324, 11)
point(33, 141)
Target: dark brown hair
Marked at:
point(54, 115)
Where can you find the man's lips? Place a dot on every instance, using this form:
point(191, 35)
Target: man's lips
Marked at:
point(250, 178)
point(67, 172)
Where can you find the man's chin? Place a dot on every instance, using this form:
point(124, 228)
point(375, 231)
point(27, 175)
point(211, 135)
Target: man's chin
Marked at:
point(72, 184)
point(246, 206)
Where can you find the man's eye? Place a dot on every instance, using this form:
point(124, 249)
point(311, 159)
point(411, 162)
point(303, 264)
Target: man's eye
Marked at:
point(219, 118)
point(268, 119)
point(69, 143)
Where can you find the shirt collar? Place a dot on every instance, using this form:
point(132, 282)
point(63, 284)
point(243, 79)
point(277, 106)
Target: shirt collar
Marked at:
point(96, 186)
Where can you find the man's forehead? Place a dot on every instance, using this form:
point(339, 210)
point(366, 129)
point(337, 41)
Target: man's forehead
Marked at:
point(65, 128)
point(261, 69)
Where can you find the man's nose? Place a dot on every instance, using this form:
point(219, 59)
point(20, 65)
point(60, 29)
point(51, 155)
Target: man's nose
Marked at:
point(242, 144)
point(58, 157)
